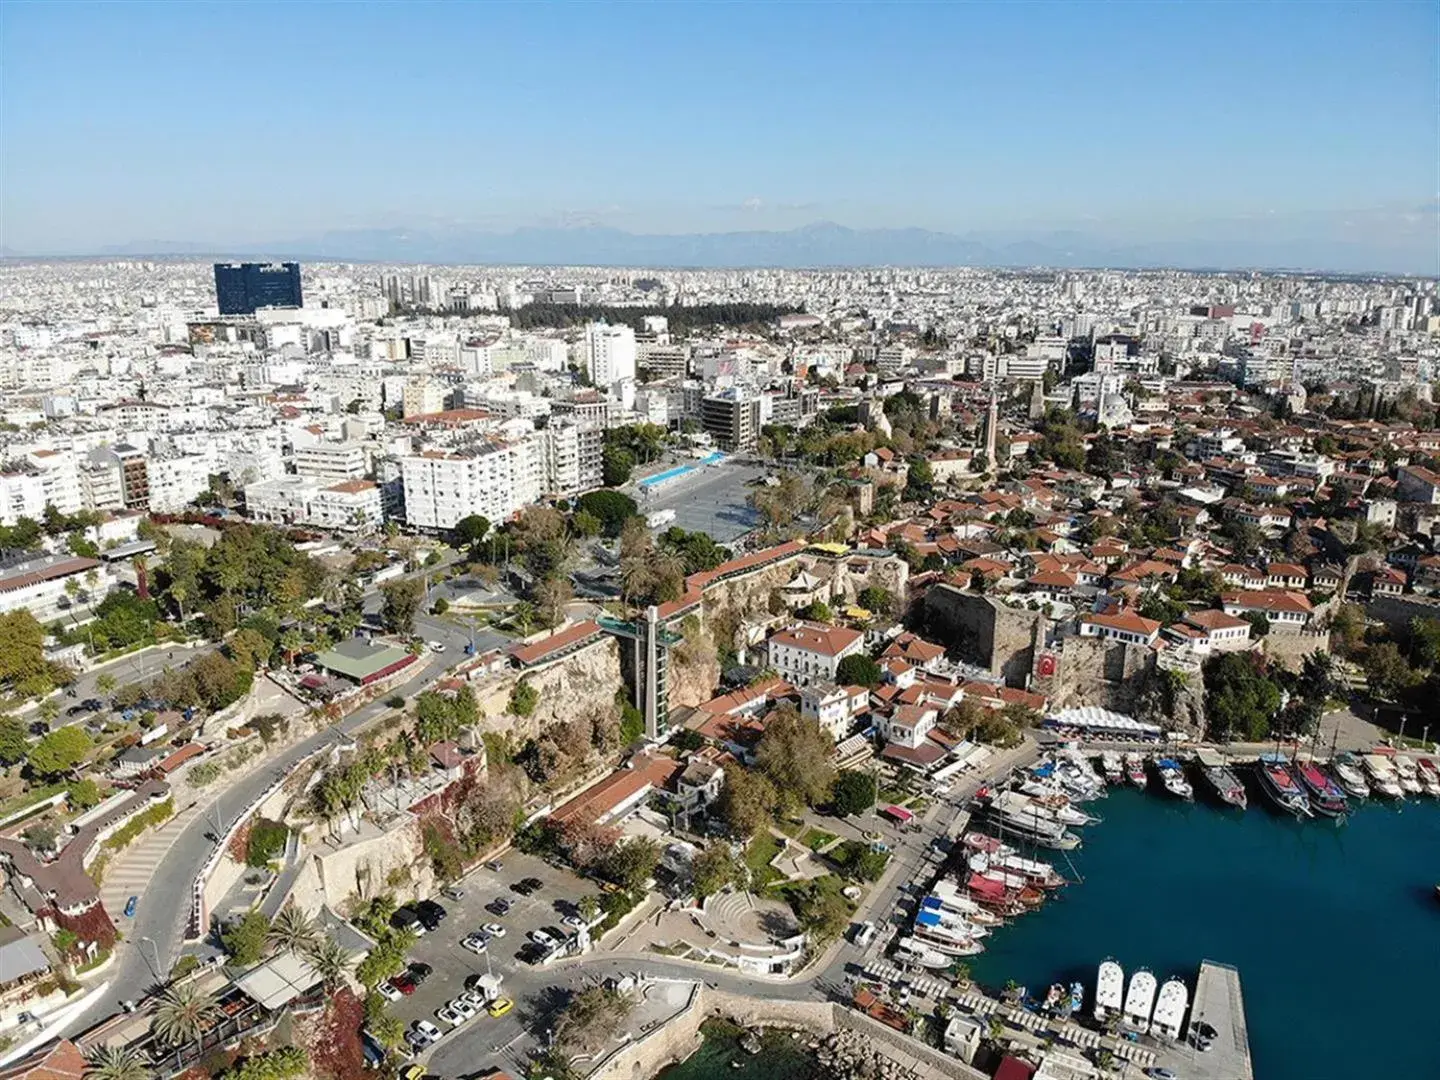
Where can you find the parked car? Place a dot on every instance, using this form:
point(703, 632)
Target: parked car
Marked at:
point(534, 884)
point(499, 906)
point(436, 646)
point(419, 971)
point(130, 906)
point(447, 1015)
point(473, 942)
point(404, 983)
point(474, 999)
point(407, 918)
point(575, 921)
point(430, 913)
point(429, 1030)
point(416, 1040)
point(389, 992)
point(92, 704)
point(541, 938)
point(493, 866)
point(500, 1006)
point(494, 929)
point(453, 892)
point(522, 888)
point(412, 1072)
point(462, 1008)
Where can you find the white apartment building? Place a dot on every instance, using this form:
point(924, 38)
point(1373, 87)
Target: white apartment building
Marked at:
point(833, 707)
point(58, 477)
point(176, 482)
point(573, 452)
point(422, 396)
point(811, 652)
point(22, 494)
point(101, 486)
point(490, 479)
point(610, 351)
point(909, 725)
point(345, 506)
point(332, 461)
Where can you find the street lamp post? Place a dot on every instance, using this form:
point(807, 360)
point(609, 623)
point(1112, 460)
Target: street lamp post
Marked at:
point(155, 956)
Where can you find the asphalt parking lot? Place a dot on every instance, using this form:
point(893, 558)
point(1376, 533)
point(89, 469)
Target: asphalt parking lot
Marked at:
point(521, 982)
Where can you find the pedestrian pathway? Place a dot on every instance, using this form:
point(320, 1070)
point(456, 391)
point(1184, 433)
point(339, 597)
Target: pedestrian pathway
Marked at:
point(129, 871)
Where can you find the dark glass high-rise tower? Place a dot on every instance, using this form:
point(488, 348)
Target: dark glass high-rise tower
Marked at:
point(241, 288)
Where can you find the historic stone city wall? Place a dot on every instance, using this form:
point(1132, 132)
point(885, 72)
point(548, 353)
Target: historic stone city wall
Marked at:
point(984, 631)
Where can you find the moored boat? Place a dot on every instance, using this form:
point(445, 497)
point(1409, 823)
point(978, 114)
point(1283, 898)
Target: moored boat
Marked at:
point(1350, 774)
point(1172, 777)
point(1408, 774)
point(1109, 990)
point(1280, 786)
point(1429, 776)
point(1383, 779)
point(1135, 770)
point(1324, 794)
point(911, 950)
point(1077, 997)
point(1221, 778)
point(1139, 1001)
point(1170, 1007)
point(1112, 767)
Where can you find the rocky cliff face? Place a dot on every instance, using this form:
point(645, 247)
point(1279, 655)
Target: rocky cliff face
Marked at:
point(567, 689)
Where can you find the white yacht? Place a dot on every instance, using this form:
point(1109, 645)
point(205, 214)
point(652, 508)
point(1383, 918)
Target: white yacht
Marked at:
point(1170, 1007)
point(1350, 777)
point(1112, 767)
point(1139, 1000)
point(909, 950)
point(1409, 775)
point(1383, 779)
point(1109, 990)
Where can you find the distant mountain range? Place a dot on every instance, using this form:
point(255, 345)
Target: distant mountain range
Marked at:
point(823, 244)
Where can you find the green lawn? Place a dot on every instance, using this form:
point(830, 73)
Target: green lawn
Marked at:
point(815, 839)
point(757, 857)
point(790, 827)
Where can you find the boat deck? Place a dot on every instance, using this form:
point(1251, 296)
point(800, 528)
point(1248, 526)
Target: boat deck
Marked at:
point(1219, 1003)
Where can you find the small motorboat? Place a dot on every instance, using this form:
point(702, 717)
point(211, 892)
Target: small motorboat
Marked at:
point(1348, 772)
point(1113, 767)
point(1135, 771)
point(1172, 776)
point(1429, 776)
point(1409, 775)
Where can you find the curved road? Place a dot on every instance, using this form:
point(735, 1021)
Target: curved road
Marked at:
point(153, 938)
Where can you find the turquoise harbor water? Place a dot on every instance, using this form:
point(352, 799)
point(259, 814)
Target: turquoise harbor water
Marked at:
point(779, 1059)
point(1334, 928)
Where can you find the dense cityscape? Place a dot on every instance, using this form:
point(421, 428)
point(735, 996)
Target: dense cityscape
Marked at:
point(499, 671)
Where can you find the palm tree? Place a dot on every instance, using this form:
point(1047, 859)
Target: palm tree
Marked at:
point(292, 930)
point(182, 1014)
point(291, 641)
point(116, 1063)
point(330, 960)
point(589, 908)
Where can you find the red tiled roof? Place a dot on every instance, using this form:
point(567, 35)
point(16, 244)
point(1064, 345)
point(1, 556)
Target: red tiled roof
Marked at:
point(819, 638)
point(538, 650)
point(595, 802)
point(60, 1061)
point(1126, 621)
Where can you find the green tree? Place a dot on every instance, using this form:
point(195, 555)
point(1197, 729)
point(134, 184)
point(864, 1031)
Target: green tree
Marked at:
point(292, 931)
point(472, 529)
point(23, 667)
point(84, 794)
point(612, 508)
point(919, 479)
point(59, 752)
point(1239, 699)
point(586, 524)
point(797, 755)
point(854, 792)
point(873, 598)
point(116, 1063)
point(249, 648)
point(716, 868)
point(403, 598)
point(1424, 648)
point(182, 1014)
point(631, 863)
point(523, 698)
point(747, 801)
point(616, 465)
point(857, 669)
point(1385, 670)
point(244, 940)
point(14, 740)
point(823, 914)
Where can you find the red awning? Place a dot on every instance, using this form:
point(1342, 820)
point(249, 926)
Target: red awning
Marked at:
point(986, 887)
point(898, 813)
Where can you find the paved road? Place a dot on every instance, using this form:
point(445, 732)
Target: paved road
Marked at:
point(157, 931)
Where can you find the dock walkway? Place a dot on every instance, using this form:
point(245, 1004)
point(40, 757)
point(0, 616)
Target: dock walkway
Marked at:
point(1219, 1003)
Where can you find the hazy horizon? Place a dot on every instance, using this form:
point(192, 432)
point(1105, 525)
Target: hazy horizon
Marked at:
point(1207, 134)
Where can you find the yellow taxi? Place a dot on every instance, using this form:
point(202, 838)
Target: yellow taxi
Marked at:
point(500, 1006)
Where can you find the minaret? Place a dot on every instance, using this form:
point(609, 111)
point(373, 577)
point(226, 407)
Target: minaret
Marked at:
point(992, 421)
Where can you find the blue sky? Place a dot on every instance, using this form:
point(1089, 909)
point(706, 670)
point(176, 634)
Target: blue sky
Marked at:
point(253, 122)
